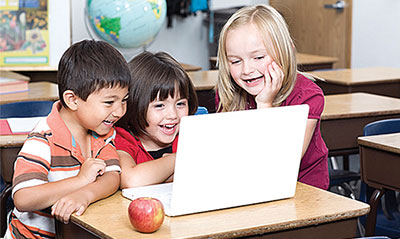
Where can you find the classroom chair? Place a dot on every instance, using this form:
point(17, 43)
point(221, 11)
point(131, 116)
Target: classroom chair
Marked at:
point(9, 154)
point(384, 216)
point(25, 109)
point(341, 180)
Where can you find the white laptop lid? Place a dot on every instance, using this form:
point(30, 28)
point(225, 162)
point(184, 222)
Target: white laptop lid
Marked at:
point(237, 158)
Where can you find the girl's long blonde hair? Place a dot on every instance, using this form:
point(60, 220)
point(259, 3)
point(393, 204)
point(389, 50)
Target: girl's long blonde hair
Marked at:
point(270, 24)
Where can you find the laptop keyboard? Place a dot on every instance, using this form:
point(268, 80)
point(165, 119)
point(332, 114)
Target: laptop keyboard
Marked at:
point(165, 199)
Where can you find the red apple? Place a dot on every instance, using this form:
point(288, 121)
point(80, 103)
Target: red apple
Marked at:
point(146, 214)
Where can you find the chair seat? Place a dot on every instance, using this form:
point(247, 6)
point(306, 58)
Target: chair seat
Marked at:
point(339, 176)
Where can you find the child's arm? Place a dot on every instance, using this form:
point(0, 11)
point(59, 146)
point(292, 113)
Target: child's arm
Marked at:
point(147, 173)
point(80, 199)
point(45, 195)
point(311, 124)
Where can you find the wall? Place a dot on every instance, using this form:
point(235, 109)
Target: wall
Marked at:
point(59, 26)
point(187, 40)
point(376, 33)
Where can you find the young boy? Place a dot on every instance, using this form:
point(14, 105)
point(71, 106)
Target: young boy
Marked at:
point(69, 160)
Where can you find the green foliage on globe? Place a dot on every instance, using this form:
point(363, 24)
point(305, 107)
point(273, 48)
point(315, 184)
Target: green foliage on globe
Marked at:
point(126, 23)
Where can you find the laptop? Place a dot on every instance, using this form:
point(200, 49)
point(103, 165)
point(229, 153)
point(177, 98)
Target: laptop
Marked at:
point(232, 159)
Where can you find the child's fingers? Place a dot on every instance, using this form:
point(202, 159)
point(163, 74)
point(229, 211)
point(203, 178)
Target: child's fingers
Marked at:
point(64, 212)
point(274, 70)
point(101, 171)
point(80, 211)
point(100, 162)
point(276, 74)
point(267, 77)
point(53, 208)
point(102, 166)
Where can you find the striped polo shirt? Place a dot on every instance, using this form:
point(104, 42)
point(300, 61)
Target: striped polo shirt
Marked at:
point(49, 154)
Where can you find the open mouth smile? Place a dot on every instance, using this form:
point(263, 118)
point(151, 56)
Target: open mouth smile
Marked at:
point(168, 128)
point(253, 81)
point(108, 122)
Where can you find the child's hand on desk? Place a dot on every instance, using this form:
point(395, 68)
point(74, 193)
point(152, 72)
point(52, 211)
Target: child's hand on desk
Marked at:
point(64, 207)
point(273, 78)
point(90, 169)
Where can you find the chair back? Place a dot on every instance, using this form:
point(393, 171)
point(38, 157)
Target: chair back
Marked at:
point(386, 126)
point(25, 109)
point(201, 110)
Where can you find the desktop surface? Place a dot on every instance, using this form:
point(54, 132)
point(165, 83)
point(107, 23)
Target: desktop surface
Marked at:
point(311, 208)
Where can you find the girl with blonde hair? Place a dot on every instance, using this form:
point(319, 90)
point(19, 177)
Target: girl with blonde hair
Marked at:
point(257, 69)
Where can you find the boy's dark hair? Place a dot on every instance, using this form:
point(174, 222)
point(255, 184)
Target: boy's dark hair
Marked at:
point(88, 66)
point(155, 75)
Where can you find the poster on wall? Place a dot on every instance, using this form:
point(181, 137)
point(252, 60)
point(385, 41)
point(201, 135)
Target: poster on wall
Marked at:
point(24, 33)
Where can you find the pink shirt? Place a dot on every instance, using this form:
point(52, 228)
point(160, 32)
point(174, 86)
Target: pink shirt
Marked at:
point(314, 164)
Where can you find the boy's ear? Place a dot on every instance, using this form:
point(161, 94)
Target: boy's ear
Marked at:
point(70, 99)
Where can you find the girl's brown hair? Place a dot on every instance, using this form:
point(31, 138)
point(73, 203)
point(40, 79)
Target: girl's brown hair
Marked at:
point(155, 76)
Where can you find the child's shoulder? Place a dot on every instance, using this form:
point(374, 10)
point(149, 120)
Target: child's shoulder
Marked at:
point(304, 90)
point(306, 86)
point(124, 136)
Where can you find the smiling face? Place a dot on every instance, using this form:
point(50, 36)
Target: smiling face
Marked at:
point(163, 118)
point(102, 109)
point(248, 58)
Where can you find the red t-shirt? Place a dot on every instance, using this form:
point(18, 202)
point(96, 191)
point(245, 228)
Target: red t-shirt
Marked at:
point(314, 164)
point(125, 141)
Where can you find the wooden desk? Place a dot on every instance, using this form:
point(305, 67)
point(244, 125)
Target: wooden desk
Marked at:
point(345, 116)
point(380, 160)
point(10, 145)
point(9, 148)
point(37, 73)
point(49, 73)
point(380, 163)
point(374, 80)
point(308, 62)
point(37, 91)
point(204, 80)
point(305, 62)
point(188, 67)
point(311, 211)
point(204, 83)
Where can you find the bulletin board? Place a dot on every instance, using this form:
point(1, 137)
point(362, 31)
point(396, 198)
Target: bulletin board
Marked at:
point(34, 33)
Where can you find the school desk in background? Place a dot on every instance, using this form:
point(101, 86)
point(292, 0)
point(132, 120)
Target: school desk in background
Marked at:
point(38, 91)
point(374, 80)
point(11, 82)
point(345, 115)
point(305, 62)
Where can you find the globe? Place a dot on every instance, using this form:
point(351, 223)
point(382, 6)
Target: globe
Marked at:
point(126, 23)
